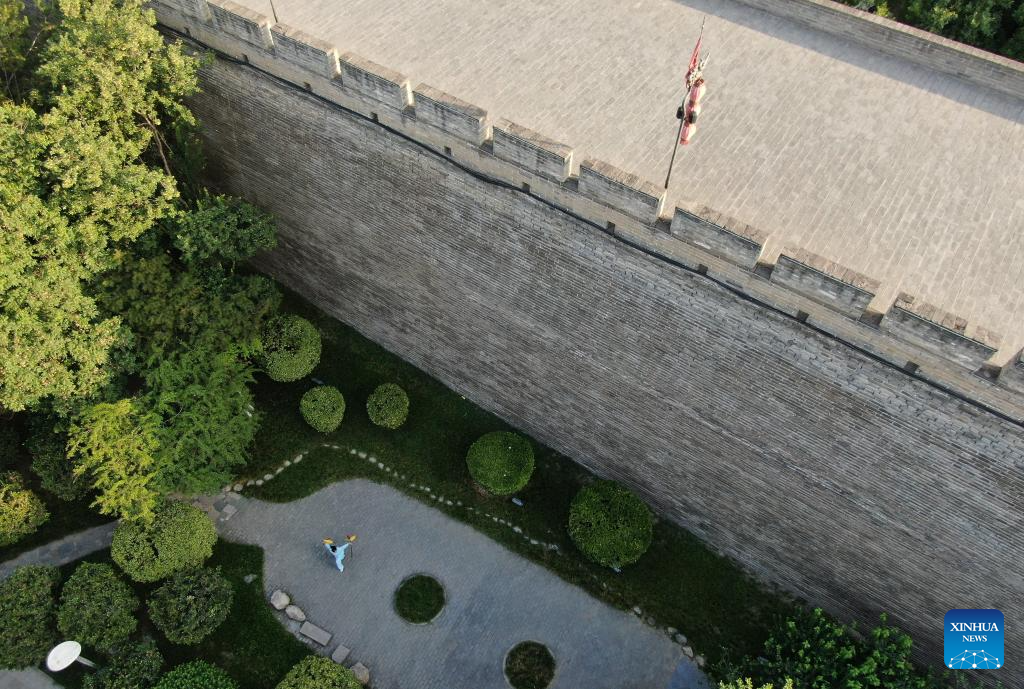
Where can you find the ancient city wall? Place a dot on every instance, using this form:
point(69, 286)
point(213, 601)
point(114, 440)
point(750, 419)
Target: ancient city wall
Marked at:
point(865, 461)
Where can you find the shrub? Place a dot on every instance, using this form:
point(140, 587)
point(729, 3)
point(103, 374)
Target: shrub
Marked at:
point(27, 616)
point(316, 672)
point(21, 510)
point(196, 675)
point(291, 348)
point(501, 462)
point(609, 524)
point(749, 684)
point(132, 666)
point(97, 608)
point(388, 406)
point(529, 665)
point(323, 408)
point(181, 536)
point(191, 605)
point(54, 468)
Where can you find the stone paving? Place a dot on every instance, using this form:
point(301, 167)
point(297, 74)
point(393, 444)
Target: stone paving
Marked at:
point(64, 550)
point(495, 598)
point(902, 173)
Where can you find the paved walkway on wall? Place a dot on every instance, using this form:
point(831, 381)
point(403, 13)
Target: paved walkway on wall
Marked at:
point(905, 174)
point(495, 598)
point(64, 550)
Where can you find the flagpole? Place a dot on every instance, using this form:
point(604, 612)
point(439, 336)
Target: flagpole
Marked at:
point(681, 112)
point(682, 121)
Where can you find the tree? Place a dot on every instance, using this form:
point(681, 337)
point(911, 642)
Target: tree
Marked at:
point(191, 605)
point(749, 684)
point(222, 231)
point(291, 348)
point(80, 190)
point(180, 537)
point(21, 510)
point(609, 524)
point(114, 444)
point(317, 672)
point(50, 462)
point(27, 616)
point(97, 608)
point(196, 675)
point(133, 665)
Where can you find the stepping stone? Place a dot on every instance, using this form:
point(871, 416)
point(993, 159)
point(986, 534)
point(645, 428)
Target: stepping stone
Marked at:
point(238, 487)
point(294, 612)
point(279, 599)
point(310, 630)
point(235, 496)
point(340, 654)
point(228, 512)
point(249, 578)
point(361, 672)
point(267, 477)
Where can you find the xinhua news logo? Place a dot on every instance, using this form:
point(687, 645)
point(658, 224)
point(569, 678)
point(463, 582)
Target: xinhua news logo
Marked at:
point(974, 640)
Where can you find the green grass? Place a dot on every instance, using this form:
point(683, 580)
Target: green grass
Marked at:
point(529, 665)
point(251, 645)
point(679, 581)
point(419, 599)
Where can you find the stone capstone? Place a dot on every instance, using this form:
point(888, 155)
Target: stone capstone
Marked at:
point(311, 631)
point(279, 599)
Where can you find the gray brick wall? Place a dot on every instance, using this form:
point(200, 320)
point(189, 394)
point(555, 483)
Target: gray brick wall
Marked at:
point(843, 480)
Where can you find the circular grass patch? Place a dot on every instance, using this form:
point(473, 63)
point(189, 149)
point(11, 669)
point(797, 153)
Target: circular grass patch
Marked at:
point(419, 599)
point(529, 665)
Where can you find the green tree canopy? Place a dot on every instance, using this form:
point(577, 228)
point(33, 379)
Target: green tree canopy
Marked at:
point(181, 536)
point(196, 675)
point(97, 608)
point(317, 672)
point(28, 609)
point(191, 605)
point(133, 665)
point(21, 510)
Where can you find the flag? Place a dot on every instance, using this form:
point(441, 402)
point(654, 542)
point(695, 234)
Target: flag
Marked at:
point(694, 59)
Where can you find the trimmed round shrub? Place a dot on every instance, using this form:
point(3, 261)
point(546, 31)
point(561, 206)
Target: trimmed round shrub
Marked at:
point(419, 599)
point(529, 665)
point(323, 408)
point(97, 608)
point(190, 605)
point(21, 510)
point(501, 462)
point(317, 672)
point(180, 537)
point(55, 470)
point(291, 348)
point(198, 674)
point(610, 524)
point(132, 666)
point(388, 406)
point(28, 606)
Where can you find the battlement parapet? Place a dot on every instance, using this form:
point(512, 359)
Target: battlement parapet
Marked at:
point(931, 328)
point(450, 114)
point(736, 242)
point(1012, 375)
point(824, 281)
point(531, 151)
point(241, 23)
point(624, 191)
point(376, 82)
point(305, 51)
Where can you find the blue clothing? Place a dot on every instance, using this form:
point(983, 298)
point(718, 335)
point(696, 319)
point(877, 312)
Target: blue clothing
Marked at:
point(339, 554)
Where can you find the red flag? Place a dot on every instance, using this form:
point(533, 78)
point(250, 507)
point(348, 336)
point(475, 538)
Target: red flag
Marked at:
point(694, 59)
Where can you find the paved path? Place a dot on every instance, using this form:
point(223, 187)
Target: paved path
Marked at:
point(902, 173)
point(495, 598)
point(26, 679)
point(64, 550)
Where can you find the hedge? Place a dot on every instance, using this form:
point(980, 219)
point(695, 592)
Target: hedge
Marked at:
point(501, 462)
point(291, 348)
point(21, 510)
point(317, 672)
point(97, 608)
point(191, 605)
point(132, 666)
point(181, 536)
point(609, 524)
point(323, 408)
point(388, 406)
point(196, 675)
point(28, 606)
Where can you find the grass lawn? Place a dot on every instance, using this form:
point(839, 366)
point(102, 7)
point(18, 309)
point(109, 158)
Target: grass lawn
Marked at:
point(529, 665)
point(419, 599)
point(679, 581)
point(251, 645)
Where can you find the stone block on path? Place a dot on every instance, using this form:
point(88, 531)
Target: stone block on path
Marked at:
point(311, 631)
point(361, 672)
point(228, 512)
point(340, 654)
point(294, 612)
point(279, 599)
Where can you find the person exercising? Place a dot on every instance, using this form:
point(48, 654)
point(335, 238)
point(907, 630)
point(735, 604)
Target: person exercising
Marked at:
point(339, 551)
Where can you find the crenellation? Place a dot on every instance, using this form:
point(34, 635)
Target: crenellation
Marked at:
point(241, 23)
point(621, 190)
point(939, 331)
point(305, 51)
point(740, 244)
point(453, 116)
point(824, 281)
point(376, 82)
point(1012, 374)
point(532, 151)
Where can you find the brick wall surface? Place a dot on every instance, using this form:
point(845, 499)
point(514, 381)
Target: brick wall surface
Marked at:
point(844, 480)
